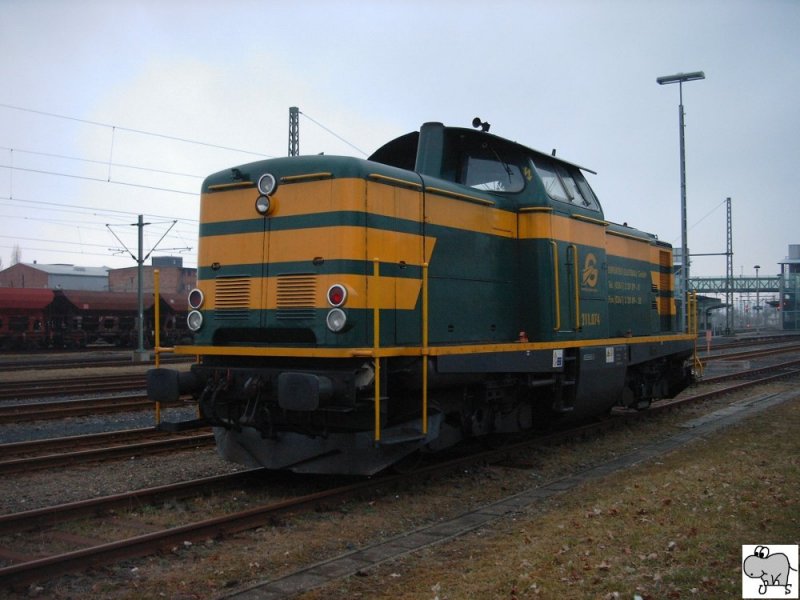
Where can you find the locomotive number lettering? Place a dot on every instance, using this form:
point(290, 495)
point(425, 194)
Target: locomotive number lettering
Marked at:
point(590, 319)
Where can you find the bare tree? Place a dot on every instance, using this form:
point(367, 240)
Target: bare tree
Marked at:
point(16, 255)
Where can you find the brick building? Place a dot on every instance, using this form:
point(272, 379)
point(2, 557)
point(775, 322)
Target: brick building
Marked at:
point(174, 278)
point(55, 277)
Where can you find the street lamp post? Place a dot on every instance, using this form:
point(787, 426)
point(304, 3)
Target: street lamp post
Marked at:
point(679, 79)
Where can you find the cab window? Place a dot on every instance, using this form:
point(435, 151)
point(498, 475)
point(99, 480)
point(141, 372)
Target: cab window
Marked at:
point(549, 176)
point(490, 174)
point(588, 199)
point(565, 184)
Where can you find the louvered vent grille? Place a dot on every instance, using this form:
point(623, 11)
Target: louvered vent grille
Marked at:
point(232, 298)
point(296, 296)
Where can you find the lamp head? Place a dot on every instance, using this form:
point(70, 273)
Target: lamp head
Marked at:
point(681, 77)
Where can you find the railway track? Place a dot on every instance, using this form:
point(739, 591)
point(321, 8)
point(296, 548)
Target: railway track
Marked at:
point(721, 355)
point(44, 363)
point(23, 457)
point(50, 453)
point(41, 388)
point(39, 411)
point(22, 413)
point(28, 569)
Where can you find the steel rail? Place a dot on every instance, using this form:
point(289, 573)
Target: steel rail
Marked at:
point(39, 411)
point(52, 515)
point(72, 441)
point(149, 543)
point(75, 363)
point(63, 386)
point(750, 353)
point(757, 372)
point(18, 449)
point(49, 461)
point(84, 442)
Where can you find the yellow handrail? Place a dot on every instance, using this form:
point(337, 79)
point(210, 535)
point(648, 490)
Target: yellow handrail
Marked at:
point(576, 283)
point(554, 246)
point(425, 349)
point(692, 324)
point(376, 344)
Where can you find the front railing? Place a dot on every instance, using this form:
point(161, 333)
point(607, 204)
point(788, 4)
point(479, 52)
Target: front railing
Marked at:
point(693, 326)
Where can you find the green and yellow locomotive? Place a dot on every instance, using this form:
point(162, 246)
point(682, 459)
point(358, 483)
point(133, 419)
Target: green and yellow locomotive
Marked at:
point(351, 312)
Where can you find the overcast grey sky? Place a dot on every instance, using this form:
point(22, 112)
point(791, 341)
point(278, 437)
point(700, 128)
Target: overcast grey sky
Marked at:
point(578, 76)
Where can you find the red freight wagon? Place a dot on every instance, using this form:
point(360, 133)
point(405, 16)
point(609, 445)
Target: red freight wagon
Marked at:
point(24, 322)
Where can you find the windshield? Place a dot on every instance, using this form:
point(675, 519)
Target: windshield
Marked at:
point(486, 170)
point(565, 185)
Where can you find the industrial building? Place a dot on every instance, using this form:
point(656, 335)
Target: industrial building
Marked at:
point(175, 279)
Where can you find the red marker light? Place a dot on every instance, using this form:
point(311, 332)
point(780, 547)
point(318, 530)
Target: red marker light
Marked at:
point(195, 298)
point(337, 294)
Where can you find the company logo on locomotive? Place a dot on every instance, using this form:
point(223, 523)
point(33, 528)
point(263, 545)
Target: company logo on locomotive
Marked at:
point(590, 272)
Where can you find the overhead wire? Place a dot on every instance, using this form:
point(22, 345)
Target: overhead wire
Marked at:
point(62, 251)
point(701, 219)
point(121, 218)
point(132, 130)
point(95, 210)
point(66, 222)
point(59, 207)
point(27, 239)
point(99, 180)
point(101, 162)
point(333, 133)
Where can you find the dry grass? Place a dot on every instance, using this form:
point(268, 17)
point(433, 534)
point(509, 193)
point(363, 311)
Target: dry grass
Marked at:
point(670, 529)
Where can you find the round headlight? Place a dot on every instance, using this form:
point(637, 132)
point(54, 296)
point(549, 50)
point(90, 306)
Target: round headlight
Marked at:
point(196, 298)
point(194, 320)
point(337, 294)
point(267, 184)
point(336, 320)
point(262, 205)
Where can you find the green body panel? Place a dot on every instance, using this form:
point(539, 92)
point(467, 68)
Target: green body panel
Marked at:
point(473, 291)
point(632, 305)
point(547, 316)
point(483, 288)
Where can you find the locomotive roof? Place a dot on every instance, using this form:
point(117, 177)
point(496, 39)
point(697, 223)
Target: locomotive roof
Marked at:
point(407, 144)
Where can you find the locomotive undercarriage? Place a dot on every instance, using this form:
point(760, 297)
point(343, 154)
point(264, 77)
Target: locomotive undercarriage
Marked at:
point(318, 416)
point(253, 428)
point(661, 378)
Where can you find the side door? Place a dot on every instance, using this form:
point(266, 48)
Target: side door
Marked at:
point(395, 236)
